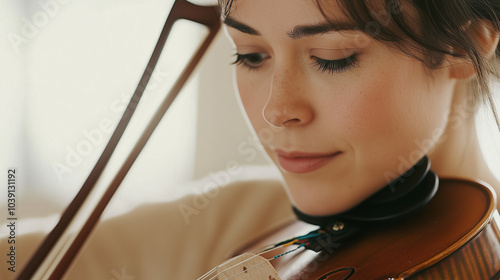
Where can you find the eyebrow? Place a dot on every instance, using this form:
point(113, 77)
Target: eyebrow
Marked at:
point(301, 31)
point(298, 31)
point(229, 21)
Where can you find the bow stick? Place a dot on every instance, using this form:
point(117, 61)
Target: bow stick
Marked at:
point(52, 258)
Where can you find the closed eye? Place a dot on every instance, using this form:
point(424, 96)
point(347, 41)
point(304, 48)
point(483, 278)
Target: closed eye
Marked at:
point(336, 66)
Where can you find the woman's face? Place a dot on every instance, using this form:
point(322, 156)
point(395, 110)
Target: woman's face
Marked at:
point(339, 113)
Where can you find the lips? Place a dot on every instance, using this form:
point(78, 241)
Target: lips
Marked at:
point(298, 162)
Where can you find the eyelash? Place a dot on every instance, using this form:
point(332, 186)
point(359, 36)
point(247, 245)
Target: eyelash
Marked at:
point(324, 65)
point(245, 60)
point(337, 66)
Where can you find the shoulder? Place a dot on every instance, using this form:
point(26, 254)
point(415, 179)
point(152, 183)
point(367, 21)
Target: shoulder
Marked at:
point(182, 239)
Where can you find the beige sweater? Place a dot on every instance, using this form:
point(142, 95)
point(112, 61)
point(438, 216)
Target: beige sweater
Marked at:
point(176, 240)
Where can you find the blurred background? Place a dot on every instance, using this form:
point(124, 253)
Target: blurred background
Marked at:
point(68, 69)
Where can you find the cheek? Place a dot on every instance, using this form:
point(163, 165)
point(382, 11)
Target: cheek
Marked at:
point(360, 110)
point(386, 115)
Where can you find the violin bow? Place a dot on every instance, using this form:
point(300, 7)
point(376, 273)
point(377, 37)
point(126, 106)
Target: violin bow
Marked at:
point(41, 266)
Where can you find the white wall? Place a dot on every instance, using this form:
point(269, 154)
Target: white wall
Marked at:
point(12, 96)
point(12, 89)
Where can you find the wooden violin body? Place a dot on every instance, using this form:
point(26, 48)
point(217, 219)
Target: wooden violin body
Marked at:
point(456, 236)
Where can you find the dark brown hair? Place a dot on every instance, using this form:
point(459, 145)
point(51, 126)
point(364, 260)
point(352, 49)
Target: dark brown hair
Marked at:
point(428, 30)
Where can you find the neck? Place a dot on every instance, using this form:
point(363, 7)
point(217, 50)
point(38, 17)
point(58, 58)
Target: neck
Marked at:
point(458, 153)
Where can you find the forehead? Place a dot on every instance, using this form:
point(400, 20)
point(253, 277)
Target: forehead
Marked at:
point(282, 14)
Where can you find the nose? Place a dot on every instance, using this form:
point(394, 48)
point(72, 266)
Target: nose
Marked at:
point(288, 104)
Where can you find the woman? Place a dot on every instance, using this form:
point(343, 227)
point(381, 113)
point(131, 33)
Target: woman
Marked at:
point(348, 95)
point(353, 91)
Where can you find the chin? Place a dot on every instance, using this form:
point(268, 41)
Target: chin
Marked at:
point(323, 203)
point(313, 209)
point(317, 196)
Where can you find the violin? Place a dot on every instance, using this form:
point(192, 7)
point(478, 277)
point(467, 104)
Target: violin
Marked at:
point(454, 235)
point(450, 230)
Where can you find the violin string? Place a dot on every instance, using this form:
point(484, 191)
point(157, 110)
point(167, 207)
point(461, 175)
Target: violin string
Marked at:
point(246, 270)
point(301, 241)
point(255, 266)
point(257, 252)
point(204, 276)
point(239, 263)
point(244, 261)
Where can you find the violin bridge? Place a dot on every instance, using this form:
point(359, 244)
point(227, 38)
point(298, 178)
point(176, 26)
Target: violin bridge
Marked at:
point(247, 266)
